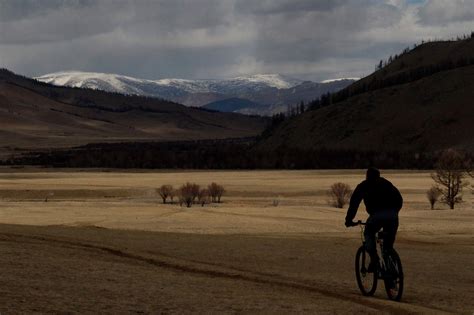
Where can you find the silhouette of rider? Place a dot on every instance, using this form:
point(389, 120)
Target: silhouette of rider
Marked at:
point(383, 201)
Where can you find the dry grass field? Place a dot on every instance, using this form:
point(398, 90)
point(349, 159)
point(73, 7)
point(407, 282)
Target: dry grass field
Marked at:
point(102, 242)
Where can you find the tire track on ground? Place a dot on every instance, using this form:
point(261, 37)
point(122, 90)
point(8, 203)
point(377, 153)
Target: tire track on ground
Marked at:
point(225, 273)
point(279, 218)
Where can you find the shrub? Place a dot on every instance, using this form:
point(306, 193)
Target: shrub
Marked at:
point(216, 191)
point(339, 194)
point(165, 191)
point(203, 196)
point(433, 195)
point(188, 193)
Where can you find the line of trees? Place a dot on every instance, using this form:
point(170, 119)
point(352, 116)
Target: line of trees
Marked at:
point(220, 154)
point(191, 193)
point(383, 63)
point(399, 78)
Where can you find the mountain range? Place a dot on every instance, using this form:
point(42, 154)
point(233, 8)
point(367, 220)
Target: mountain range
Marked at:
point(416, 105)
point(262, 94)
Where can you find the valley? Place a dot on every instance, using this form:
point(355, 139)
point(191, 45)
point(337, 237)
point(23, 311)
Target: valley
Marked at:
point(103, 241)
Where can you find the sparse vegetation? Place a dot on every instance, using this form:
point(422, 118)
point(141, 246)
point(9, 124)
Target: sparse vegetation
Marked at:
point(191, 193)
point(166, 191)
point(433, 195)
point(339, 194)
point(203, 197)
point(188, 193)
point(452, 168)
point(216, 191)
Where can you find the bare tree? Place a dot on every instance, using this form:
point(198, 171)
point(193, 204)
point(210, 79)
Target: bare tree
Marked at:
point(339, 194)
point(189, 192)
point(180, 198)
point(433, 195)
point(165, 191)
point(216, 191)
point(203, 197)
point(450, 172)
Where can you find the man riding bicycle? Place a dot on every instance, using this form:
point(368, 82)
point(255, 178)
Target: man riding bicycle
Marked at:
point(383, 201)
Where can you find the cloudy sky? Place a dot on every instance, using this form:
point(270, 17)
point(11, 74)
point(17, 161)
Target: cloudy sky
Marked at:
point(311, 39)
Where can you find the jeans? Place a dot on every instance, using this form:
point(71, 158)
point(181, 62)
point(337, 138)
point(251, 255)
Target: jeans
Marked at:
point(388, 220)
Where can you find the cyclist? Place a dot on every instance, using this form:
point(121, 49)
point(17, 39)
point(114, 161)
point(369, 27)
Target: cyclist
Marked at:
point(383, 201)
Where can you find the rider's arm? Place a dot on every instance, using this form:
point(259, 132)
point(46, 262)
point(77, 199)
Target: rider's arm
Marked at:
point(356, 198)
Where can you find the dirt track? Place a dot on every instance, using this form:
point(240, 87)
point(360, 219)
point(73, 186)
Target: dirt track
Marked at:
point(88, 269)
point(301, 261)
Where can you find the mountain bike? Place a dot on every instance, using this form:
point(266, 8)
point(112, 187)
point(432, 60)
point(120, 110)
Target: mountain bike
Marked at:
point(389, 268)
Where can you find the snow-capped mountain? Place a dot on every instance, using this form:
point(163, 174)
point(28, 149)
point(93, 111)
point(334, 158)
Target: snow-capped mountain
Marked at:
point(339, 79)
point(167, 88)
point(264, 89)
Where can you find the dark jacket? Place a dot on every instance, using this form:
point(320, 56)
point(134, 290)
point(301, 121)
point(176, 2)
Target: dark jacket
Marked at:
point(378, 194)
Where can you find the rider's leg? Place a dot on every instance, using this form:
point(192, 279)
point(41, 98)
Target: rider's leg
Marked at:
point(390, 228)
point(371, 229)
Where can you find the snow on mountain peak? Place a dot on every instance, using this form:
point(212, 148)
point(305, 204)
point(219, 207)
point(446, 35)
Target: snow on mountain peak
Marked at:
point(340, 79)
point(258, 88)
point(166, 87)
point(273, 80)
point(93, 80)
point(178, 90)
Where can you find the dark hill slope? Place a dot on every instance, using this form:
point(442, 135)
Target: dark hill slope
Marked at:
point(36, 115)
point(415, 114)
point(232, 105)
point(420, 62)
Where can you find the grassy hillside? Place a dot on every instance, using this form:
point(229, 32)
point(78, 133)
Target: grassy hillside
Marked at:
point(422, 101)
point(35, 115)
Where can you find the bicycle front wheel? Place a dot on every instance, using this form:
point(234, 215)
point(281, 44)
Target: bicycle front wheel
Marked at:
point(393, 279)
point(367, 281)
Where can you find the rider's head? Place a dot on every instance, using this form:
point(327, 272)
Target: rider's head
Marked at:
point(372, 174)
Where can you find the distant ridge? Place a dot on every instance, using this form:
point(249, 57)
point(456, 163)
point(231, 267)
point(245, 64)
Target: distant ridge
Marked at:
point(274, 92)
point(129, 85)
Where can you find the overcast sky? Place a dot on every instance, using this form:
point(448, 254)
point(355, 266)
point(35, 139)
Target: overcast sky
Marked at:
point(311, 39)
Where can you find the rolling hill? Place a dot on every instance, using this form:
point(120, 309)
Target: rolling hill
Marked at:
point(420, 102)
point(35, 115)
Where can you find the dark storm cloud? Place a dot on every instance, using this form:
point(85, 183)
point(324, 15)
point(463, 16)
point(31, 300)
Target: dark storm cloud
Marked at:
point(284, 6)
point(53, 20)
point(219, 38)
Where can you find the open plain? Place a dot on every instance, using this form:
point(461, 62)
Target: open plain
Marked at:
point(102, 242)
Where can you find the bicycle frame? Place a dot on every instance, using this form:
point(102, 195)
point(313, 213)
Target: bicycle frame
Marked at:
point(378, 245)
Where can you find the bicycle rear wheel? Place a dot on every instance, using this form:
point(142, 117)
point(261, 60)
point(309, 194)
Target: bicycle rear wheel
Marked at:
point(366, 281)
point(393, 278)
